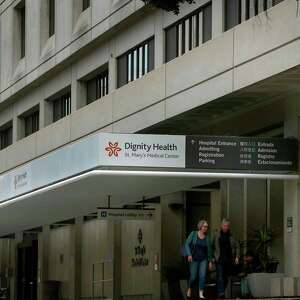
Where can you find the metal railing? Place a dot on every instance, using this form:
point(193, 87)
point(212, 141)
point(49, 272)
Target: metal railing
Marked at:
point(101, 281)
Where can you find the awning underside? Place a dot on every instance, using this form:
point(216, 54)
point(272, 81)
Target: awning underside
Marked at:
point(83, 194)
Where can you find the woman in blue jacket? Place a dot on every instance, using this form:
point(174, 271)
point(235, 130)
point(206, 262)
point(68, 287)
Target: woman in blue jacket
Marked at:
point(199, 253)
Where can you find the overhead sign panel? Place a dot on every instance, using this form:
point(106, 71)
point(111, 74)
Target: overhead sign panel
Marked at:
point(241, 153)
point(125, 214)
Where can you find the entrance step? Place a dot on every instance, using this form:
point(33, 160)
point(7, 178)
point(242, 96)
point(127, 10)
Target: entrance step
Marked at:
point(95, 298)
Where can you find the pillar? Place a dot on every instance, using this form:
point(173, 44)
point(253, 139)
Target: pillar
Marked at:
point(16, 129)
point(217, 18)
point(215, 210)
point(112, 68)
point(157, 291)
point(78, 91)
point(13, 269)
point(43, 258)
point(75, 266)
point(291, 199)
point(159, 39)
point(46, 113)
point(114, 243)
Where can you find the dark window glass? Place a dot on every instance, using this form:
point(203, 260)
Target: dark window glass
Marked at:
point(189, 33)
point(31, 123)
point(171, 43)
point(51, 17)
point(6, 137)
point(22, 31)
point(232, 13)
point(254, 6)
point(122, 70)
point(86, 4)
point(207, 23)
point(136, 63)
point(97, 87)
point(275, 2)
point(247, 8)
point(61, 107)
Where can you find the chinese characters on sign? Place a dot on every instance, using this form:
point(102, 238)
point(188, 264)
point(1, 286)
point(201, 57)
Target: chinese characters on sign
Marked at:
point(241, 153)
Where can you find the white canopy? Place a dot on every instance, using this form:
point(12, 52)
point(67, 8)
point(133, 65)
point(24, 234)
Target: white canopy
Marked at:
point(83, 194)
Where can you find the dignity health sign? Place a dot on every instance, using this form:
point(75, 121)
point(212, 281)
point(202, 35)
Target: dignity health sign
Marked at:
point(233, 154)
point(141, 150)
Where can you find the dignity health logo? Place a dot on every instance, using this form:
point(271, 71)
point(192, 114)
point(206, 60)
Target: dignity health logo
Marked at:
point(113, 149)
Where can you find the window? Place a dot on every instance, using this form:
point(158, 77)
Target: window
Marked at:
point(6, 135)
point(85, 4)
point(31, 123)
point(189, 33)
point(136, 62)
point(51, 17)
point(275, 2)
point(97, 87)
point(232, 13)
point(21, 29)
point(61, 106)
point(233, 10)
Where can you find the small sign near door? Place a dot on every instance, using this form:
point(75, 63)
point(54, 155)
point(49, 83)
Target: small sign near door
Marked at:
point(125, 214)
point(289, 224)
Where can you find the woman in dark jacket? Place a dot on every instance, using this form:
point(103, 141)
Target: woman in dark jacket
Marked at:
point(199, 253)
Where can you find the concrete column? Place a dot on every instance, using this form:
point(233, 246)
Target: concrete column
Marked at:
point(115, 241)
point(46, 113)
point(76, 256)
point(243, 10)
point(16, 129)
point(78, 91)
point(157, 291)
point(112, 68)
point(43, 258)
point(172, 218)
point(217, 18)
point(215, 211)
point(13, 268)
point(291, 199)
point(159, 39)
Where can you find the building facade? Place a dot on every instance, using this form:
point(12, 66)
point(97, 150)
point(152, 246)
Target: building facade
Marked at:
point(72, 69)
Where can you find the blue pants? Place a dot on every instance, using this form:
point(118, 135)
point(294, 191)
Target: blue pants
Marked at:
point(223, 272)
point(198, 269)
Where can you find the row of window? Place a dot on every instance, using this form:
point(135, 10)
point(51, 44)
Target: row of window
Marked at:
point(180, 38)
point(188, 33)
point(234, 9)
point(97, 87)
point(21, 21)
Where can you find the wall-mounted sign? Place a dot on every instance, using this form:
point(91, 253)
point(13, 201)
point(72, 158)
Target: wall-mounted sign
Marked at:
point(126, 214)
point(241, 153)
point(140, 258)
point(289, 224)
point(142, 150)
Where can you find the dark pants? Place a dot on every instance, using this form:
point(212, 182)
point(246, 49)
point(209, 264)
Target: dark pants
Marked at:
point(223, 273)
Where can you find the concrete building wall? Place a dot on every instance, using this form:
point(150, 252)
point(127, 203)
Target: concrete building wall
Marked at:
point(156, 96)
point(85, 41)
point(61, 259)
point(94, 248)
